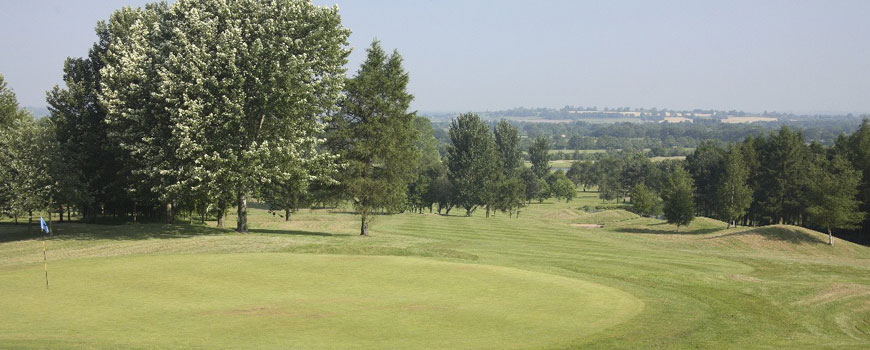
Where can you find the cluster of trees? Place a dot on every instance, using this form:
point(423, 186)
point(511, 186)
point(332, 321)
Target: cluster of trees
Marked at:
point(667, 136)
point(779, 178)
point(776, 178)
point(483, 168)
point(29, 155)
point(196, 106)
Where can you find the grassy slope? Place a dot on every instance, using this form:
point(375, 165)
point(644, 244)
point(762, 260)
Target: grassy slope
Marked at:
point(707, 287)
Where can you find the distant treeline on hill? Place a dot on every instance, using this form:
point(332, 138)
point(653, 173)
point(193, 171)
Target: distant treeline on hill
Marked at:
point(647, 115)
point(668, 139)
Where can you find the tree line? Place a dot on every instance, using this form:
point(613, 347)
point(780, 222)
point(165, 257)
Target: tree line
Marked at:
point(776, 178)
point(197, 106)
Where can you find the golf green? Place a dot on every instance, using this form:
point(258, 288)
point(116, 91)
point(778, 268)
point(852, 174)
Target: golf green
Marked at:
point(292, 301)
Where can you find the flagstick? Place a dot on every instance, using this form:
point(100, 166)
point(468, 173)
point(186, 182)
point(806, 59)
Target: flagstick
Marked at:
point(45, 263)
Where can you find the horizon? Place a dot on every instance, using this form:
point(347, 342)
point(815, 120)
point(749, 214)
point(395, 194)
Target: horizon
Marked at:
point(802, 58)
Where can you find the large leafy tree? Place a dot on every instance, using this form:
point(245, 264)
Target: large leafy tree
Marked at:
point(562, 187)
point(582, 174)
point(472, 160)
point(609, 170)
point(216, 99)
point(679, 203)
point(733, 190)
point(509, 191)
point(507, 140)
point(15, 123)
point(833, 195)
point(9, 115)
point(645, 201)
point(532, 184)
point(376, 137)
point(420, 193)
point(81, 129)
point(539, 155)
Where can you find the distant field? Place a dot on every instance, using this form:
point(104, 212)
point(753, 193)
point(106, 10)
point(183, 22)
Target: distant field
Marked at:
point(736, 120)
point(582, 151)
point(659, 159)
point(547, 280)
point(556, 121)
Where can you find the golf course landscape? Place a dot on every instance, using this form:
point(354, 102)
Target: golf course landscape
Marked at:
point(546, 280)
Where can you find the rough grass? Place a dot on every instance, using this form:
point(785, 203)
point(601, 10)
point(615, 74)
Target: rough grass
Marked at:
point(705, 287)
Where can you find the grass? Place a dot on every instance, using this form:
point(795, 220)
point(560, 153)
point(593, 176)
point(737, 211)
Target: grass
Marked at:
point(429, 281)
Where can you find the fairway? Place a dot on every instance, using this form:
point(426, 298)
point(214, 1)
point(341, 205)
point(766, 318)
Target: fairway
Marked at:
point(291, 301)
point(425, 281)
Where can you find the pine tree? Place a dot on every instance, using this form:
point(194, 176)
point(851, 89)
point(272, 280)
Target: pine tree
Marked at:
point(856, 147)
point(782, 159)
point(376, 137)
point(679, 203)
point(833, 195)
point(733, 190)
point(706, 165)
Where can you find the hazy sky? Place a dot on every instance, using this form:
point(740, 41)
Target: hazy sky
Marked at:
point(800, 56)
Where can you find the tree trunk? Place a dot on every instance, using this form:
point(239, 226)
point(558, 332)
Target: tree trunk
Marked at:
point(60, 213)
point(221, 213)
point(678, 227)
point(242, 225)
point(286, 214)
point(487, 210)
point(29, 221)
point(830, 237)
point(364, 226)
point(168, 213)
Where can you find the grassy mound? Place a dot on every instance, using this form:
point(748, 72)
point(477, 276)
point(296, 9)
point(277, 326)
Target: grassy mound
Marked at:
point(787, 238)
point(290, 301)
point(605, 217)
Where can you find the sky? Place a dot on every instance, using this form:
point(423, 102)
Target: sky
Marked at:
point(474, 55)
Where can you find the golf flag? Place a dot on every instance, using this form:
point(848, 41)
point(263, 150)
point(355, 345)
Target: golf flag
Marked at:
point(42, 225)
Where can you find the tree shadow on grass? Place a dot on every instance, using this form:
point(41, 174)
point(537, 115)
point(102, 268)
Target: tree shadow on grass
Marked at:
point(78, 231)
point(784, 234)
point(669, 231)
point(297, 233)
point(81, 231)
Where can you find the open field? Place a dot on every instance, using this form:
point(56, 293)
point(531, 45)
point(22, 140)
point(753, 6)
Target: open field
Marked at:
point(426, 281)
point(748, 119)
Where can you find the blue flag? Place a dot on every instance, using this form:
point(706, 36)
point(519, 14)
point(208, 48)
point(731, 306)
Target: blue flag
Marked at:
point(42, 225)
